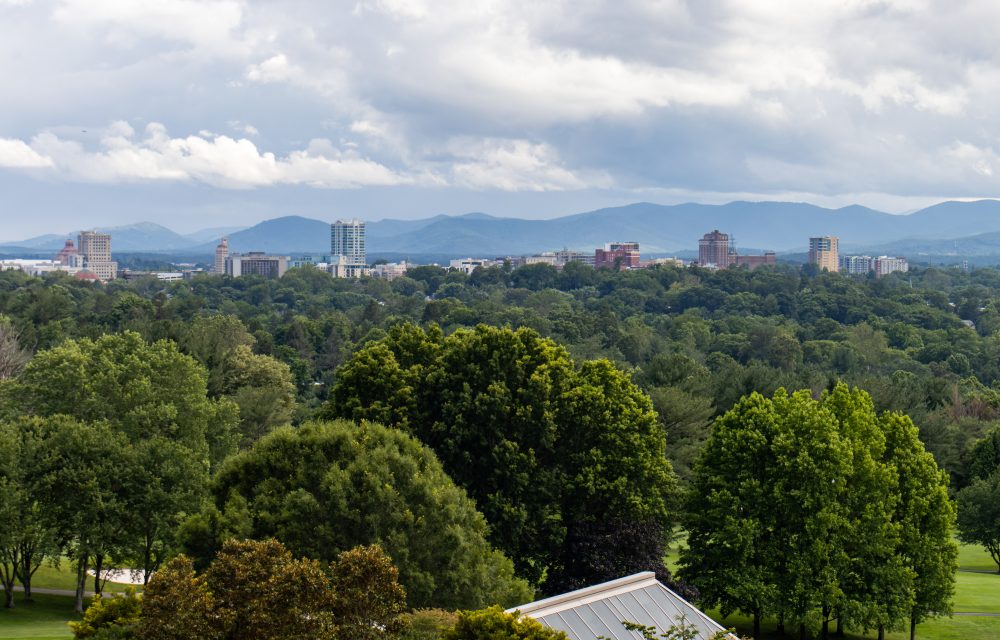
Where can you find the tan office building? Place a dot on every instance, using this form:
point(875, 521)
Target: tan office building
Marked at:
point(94, 251)
point(221, 253)
point(823, 253)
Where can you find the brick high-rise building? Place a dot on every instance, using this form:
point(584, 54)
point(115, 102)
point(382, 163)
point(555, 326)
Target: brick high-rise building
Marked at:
point(713, 250)
point(823, 253)
point(618, 255)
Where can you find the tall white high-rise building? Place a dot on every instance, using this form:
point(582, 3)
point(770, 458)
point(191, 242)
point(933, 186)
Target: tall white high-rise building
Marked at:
point(94, 254)
point(347, 249)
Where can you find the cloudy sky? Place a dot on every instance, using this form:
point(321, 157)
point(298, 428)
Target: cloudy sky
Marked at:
point(203, 113)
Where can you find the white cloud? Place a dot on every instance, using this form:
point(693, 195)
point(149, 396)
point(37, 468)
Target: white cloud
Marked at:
point(516, 165)
point(718, 96)
point(16, 154)
point(217, 160)
point(207, 24)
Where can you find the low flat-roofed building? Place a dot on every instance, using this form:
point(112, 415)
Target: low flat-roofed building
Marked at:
point(468, 265)
point(389, 271)
point(256, 263)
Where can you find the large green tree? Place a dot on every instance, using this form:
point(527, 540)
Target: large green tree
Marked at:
point(926, 516)
point(262, 386)
point(141, 390)
point(326, 487)
point(798, 510)
point(541, 445)
point(80, 474)
point(29, 534)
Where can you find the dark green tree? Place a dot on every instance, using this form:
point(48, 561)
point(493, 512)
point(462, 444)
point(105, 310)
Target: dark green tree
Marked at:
point(327, 487)
point(539, 444)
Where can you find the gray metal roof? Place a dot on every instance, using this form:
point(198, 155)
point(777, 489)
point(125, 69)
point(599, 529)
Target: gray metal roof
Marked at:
point(598, 611)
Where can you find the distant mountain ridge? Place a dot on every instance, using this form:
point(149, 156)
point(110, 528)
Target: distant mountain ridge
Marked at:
point(779, 226)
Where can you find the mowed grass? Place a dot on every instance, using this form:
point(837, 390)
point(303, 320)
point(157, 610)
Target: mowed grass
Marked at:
point(63, 576)
point(44, 619)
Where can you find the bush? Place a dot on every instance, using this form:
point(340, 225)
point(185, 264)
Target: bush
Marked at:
point(110, 618)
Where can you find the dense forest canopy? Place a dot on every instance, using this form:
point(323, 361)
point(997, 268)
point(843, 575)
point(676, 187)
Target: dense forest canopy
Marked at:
point(696, 340)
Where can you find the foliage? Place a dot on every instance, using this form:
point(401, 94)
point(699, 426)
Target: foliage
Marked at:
point(683, 630)
point(979, 514)
point(539, 444)
point(13, 357)
point(370, 602)
point(120, 611)
point(809, 510)
point(262, 592)
point(256, 590)
point(327, 487)
point(899, 337)
point(142, 390)
point(428, 624)
point(494, 624)
point(177, 605)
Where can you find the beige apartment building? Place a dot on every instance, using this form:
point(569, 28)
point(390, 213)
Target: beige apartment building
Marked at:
point(823, 252)
point(94, 251)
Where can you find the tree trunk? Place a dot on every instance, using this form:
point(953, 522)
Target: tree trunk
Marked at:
point(81, 583)
point(756, 625)
point(802, 631)
point(98, 566)
point(840, 626)
point(8, 576)
point(913, 627)
point(780, 630)
point(825, 633)
point(881, 632)
point(26, 570)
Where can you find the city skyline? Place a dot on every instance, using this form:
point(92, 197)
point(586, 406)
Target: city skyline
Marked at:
point(224, 112)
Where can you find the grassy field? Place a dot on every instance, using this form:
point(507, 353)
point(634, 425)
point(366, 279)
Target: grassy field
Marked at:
point(977, 591)
point(64, 577)
point(44, 619)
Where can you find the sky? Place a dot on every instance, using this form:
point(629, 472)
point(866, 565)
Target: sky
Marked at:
point(207, 113)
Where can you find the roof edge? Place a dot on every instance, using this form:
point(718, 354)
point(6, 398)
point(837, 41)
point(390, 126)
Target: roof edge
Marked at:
point(628, 583)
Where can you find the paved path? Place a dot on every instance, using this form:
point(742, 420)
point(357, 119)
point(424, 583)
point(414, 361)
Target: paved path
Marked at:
point(54, 592)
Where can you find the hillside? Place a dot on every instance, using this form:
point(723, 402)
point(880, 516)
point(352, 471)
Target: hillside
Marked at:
point(948, 227)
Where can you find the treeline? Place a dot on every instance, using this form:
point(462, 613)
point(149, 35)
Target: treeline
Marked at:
point(695, 340)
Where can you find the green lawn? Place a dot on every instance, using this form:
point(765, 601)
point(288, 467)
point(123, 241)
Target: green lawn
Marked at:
point(44, 619)
point(64, 577)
